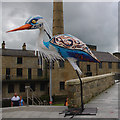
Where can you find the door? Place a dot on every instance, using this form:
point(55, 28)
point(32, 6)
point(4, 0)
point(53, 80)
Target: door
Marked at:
point(29, 73)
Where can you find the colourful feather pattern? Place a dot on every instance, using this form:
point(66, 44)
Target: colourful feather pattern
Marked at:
point(70, 46)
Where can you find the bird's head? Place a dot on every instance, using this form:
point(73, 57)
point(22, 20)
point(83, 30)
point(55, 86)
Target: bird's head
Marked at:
point(35, 22)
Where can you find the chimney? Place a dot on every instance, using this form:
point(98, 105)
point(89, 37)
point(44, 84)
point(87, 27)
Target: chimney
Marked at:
point(3, 45)
point(24, 46)
point(58, 24)
point(36, 53)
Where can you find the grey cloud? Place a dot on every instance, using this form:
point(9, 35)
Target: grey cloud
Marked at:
point(15, 15)
point(93, 23)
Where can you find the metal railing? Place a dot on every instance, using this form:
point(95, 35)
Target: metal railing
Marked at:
point(35, 97)
point(35, 100)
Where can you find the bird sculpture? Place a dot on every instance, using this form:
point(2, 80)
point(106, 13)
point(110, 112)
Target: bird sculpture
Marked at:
point(63, 46)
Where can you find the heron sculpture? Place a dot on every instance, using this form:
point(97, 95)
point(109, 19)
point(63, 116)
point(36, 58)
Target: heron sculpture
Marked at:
point(63, 46)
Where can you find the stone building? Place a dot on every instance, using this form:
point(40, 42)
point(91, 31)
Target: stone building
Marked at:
point(117, 54)
point(21, 68)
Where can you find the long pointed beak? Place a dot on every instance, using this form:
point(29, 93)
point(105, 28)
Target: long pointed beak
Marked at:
point(26, 26)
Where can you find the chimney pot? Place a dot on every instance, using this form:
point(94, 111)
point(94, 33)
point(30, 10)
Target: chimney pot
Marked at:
point(36, 53)
point(3, 45)
point(24, 46)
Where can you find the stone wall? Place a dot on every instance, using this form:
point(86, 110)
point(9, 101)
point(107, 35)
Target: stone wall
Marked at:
point(92, 86)
point(67, 73)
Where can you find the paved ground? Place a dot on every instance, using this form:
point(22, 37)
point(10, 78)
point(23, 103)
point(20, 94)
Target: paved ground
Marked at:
point(106, 102)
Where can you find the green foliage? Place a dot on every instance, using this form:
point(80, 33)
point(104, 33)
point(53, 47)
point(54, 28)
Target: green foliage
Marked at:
point(61, 104)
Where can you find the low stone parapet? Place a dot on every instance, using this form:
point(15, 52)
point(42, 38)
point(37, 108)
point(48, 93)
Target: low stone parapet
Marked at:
point(92, 86)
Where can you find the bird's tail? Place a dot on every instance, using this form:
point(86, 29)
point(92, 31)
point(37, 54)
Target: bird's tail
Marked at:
point(74, 65)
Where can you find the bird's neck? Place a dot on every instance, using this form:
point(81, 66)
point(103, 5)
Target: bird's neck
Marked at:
point(43, 44)
point(41, 35)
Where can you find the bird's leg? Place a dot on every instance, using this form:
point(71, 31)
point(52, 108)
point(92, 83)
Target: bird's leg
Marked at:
point(81, 89)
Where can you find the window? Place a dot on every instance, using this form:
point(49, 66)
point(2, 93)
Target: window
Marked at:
point(22, 87)
point(61, 63)
point(7, 73)
point(19, 72)
point(52, 65)
point(42, 87)
point(62, 85)
point(88, 67)
point(118, 65)
point(48, 65)
point(40, 61)
point(88, 74)
point(29, 73)
point(39, 72)
point(19, 60)
point(110, 65)
point(32, 86)
point(100, 65)
point(10, 88)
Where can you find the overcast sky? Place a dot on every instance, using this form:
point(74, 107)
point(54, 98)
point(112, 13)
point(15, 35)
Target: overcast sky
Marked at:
point(95, 23)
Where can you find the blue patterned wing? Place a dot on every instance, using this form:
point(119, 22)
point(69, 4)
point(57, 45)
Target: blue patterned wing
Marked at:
point(72, 43)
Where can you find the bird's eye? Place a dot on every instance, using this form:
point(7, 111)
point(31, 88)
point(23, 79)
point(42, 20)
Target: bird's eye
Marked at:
point(34, 21)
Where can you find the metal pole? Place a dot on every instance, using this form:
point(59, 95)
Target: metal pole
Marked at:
point(81, 89)
point(27, 90)
point(32, 99)
point(51, 82)
point(27, 96)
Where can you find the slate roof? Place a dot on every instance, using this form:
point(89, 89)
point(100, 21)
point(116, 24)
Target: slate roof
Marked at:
point(102, 56)
point(105, 56)
point(16, 52)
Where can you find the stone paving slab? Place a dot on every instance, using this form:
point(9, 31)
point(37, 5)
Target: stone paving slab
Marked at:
point(106, 102)
point(35, 108)
point(34, 112)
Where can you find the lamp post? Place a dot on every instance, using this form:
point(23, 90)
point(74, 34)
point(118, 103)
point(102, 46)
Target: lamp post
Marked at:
point(50, 82)
point(27, 91)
